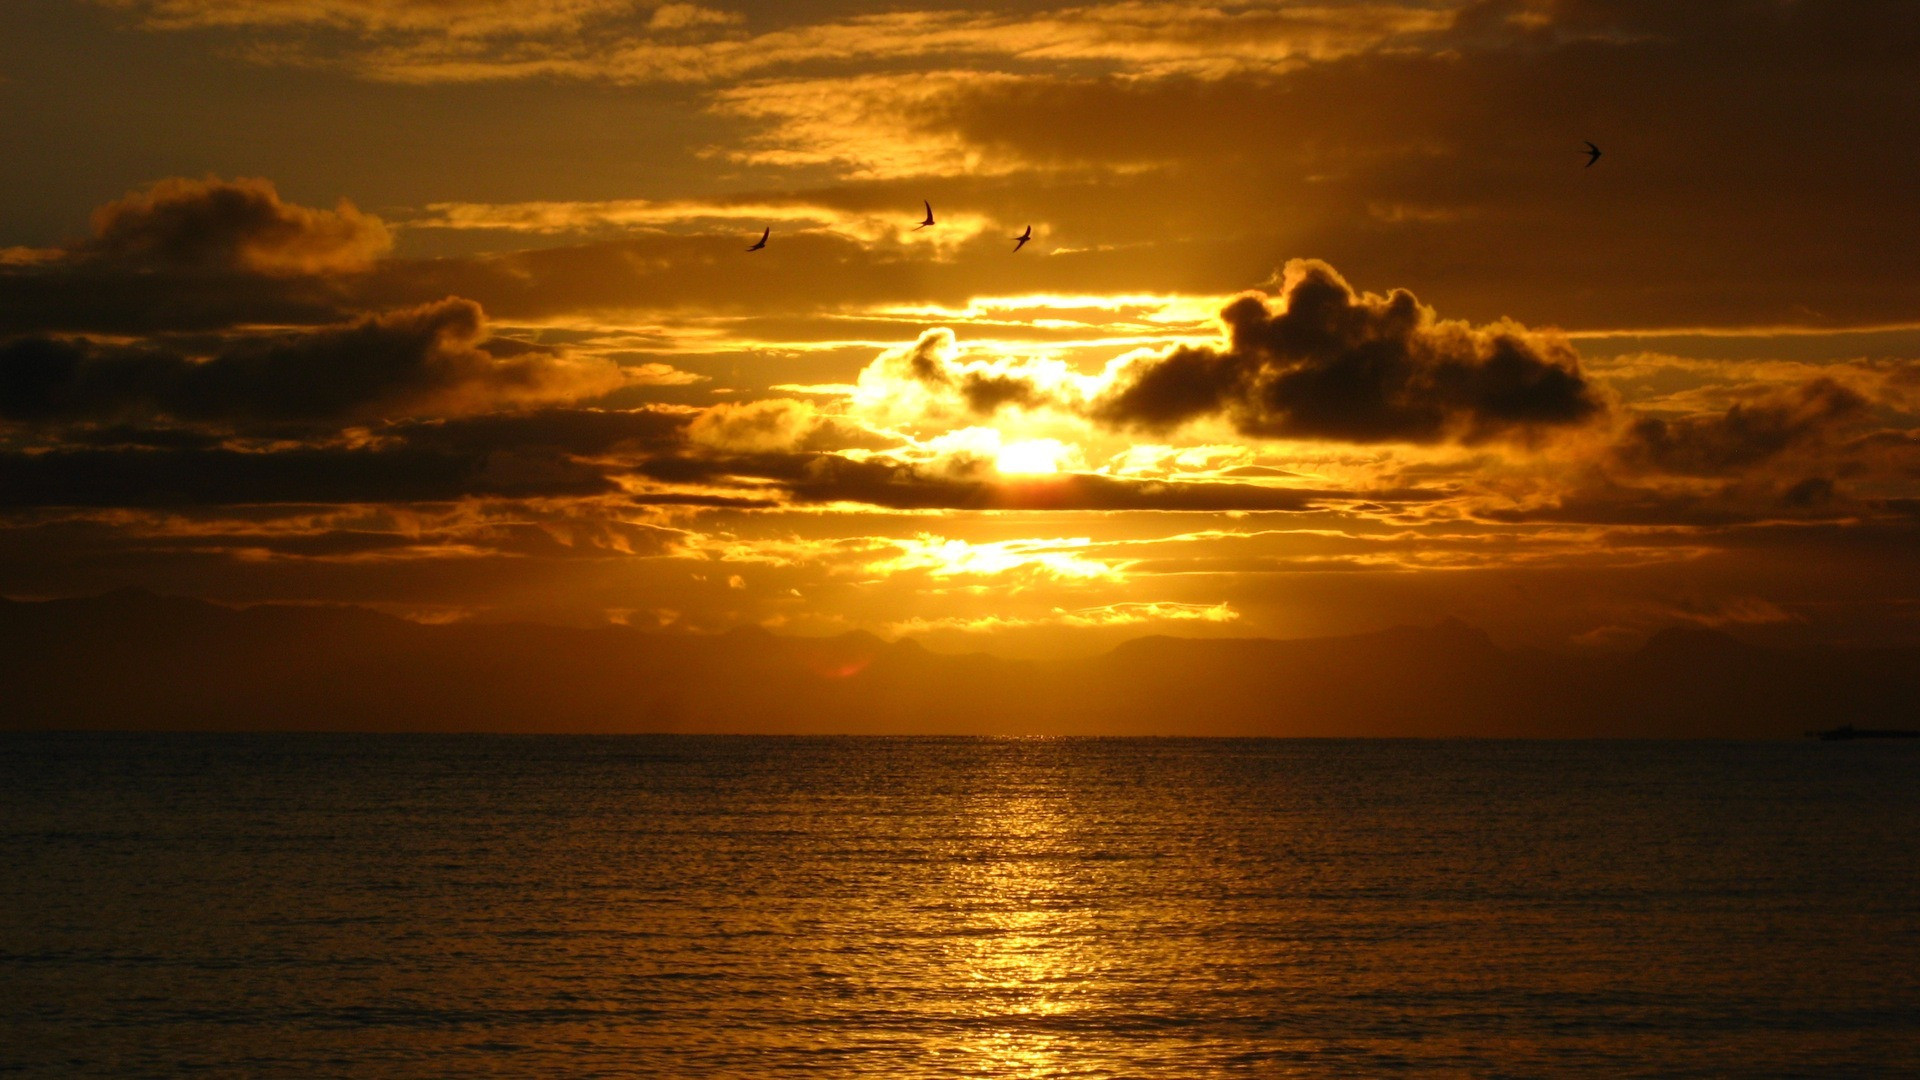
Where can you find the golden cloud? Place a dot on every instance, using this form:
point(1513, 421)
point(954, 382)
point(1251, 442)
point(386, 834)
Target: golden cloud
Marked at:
point(233, 225)
point(628, 41)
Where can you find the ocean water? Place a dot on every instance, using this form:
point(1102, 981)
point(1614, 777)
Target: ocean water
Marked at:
point(745, 907)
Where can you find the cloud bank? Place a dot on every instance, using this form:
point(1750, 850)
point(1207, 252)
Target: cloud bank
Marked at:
point(1324, 362)
point(429, 359)
point(1317, 361)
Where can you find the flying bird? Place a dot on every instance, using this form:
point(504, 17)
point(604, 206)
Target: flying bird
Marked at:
point(929, 220)
point(763, 239)
point(1023, 238)
point(1593, 155)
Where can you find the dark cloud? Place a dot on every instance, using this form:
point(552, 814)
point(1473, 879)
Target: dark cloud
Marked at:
point(136, 436)
point(929, 361)
point(1327, 363)
point(239, 225)
point(875, 482)
point(542, 457)
point(1605, 503)
point(898, 485)
point(1747, 434)
point(584, 432)
point(986, 392)
point(95, 298)
point(1814, 491)
point(551, 452)
point(424, 359)
point(177, 478)
point(197, 255)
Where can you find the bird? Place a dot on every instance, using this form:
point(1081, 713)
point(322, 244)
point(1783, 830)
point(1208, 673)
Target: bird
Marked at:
point(929, 220)
point(1593, 155)
point(763, 239)
point(1023, 238)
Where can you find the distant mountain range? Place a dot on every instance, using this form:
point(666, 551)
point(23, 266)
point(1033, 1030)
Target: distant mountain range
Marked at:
point(132, 660)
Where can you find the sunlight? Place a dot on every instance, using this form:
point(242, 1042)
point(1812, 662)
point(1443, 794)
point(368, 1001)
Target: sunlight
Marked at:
point(941, 557)
point(1031, 457)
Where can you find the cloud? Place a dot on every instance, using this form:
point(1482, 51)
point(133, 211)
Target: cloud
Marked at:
point(684, 16)
point(1456, 177)
point(904, 486)
point(318, 475)
point(463, 18)
point(1328, 363)
point(932, 382)
point(432, 359)
point(1748, 434)
point(233, 225)
point(943, 557)
point(68, 296)
point(778, 425)
point(1445, 159)
point(1129, 613)
point(1317, 362)
point(630, 42)
point(771, 424)
point(195, 255)
point(553, 217)
point(685, 276)
point(580, 432)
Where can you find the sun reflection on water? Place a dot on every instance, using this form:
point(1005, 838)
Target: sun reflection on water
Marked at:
point(1024, 918)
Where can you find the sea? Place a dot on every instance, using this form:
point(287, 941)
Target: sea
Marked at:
point(454, 906)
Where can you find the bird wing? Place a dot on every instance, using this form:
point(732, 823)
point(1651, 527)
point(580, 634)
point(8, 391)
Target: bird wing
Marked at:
point(766, 232)
point(929, 207)
point(1593, 148)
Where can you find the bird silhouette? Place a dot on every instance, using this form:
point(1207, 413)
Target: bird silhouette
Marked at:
point(763, 239)
point(929, 220)
point(1593, 155)
point(1023, 238)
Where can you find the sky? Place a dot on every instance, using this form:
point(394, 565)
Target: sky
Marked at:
point(444, 307)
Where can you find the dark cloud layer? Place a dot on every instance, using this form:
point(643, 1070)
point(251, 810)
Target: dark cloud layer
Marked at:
point(1748, 434)
point(1327, 363)
point(427, 357)
point(186, 478)
point(824, 478)
point(551, 452)
point(828, 479)
point(432, 471)
point(582, 432)
point(97, 298)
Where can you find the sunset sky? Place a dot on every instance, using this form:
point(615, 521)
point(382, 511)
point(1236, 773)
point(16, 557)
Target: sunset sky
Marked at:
point(443, 307)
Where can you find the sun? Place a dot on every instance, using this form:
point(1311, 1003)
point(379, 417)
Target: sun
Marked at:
point(1031, 457)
